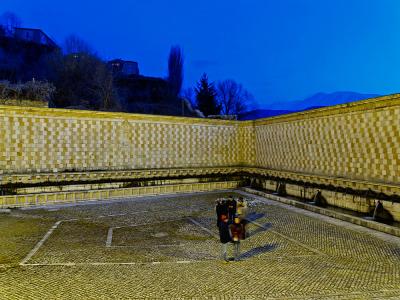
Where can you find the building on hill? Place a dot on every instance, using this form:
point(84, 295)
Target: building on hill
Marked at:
point(33, 35)
point(121, 67)
point(22, 59)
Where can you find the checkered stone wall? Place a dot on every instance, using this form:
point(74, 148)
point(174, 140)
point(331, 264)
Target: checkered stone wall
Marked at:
point(247, 144)
point(356, 141)
point(54, 141)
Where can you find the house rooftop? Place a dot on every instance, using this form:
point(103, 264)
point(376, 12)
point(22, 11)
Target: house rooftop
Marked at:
point(49, 40)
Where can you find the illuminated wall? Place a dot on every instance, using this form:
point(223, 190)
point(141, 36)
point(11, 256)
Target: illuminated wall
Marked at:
point(359, 140)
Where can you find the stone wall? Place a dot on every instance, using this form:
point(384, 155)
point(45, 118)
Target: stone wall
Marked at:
point(47, 140)
point(343, 150)
point(109, 194)
point(355, 141)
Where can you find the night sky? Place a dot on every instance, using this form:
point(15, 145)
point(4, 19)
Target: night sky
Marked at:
point(281, 50)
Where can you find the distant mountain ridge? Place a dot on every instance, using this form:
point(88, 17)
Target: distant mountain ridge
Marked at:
point(263, 113)
point(315, 101)
point(321, 99)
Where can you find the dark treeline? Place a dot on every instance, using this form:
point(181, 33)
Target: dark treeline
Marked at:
point(75, 76)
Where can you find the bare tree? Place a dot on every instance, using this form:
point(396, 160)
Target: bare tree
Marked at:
point(9, 21)
point(73, 44)
point(104, 86)
point(175, 70)
point(84, 80)
point(233, 98)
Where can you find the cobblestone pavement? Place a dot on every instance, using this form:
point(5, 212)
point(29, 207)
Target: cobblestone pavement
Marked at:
point(165, 248)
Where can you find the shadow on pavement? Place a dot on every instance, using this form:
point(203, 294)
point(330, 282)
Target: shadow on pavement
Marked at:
point(257, 251)
point(254, 216)
point(264, 227)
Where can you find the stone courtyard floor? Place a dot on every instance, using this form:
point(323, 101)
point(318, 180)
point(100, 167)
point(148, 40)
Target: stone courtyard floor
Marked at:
point(166, 247)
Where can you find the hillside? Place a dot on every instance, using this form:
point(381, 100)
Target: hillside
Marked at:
point(321, 99)
point(262, 113)
point(316, 101)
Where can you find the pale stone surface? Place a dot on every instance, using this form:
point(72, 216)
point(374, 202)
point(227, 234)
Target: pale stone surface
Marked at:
point(359, 140)
point(300, 255)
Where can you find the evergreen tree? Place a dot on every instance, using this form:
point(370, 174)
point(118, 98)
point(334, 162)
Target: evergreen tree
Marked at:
point(206, 97)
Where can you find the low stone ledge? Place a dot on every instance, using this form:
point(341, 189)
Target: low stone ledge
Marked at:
point(356, 184)
point(330, 213)
point(16, 201)
point(82, 176)
point(115, 175)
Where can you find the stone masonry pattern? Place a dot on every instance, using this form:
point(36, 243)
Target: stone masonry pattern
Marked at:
point(35, 144)
point(363, 145)
point(356, 141)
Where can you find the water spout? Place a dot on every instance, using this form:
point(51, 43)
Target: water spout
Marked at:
point(378, 209)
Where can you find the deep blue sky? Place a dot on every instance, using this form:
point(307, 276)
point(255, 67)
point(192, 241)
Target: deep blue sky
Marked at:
point(280, 50)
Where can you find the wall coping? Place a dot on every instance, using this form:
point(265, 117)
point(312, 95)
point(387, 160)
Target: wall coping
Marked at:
point(351, 107)
point(88, 114)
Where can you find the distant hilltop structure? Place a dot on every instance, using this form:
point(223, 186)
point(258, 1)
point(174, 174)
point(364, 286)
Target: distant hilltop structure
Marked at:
point(21, 53)
point(33, 35)
point(121, 67)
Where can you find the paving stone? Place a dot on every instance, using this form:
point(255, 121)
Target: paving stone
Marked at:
point(294, 255)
